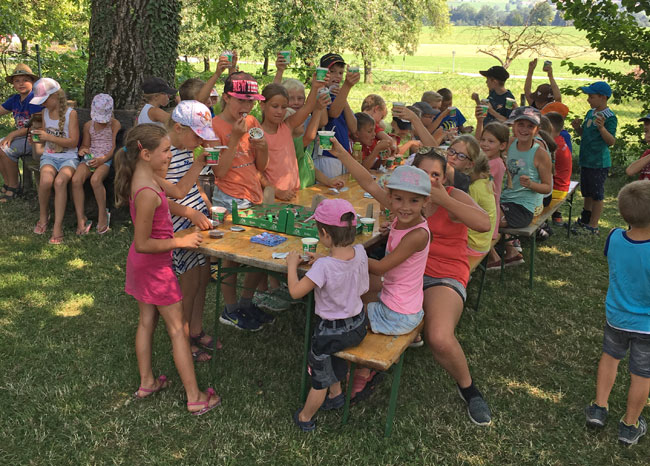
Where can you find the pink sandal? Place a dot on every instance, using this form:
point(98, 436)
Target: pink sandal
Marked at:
point(161, 386)
point(56, 240)
point(86, 228)
point(41, 228)
point(205, 404)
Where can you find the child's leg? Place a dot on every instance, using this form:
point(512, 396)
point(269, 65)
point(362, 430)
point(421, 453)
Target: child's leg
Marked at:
point(251, 280)
point(48, 173)
point(189, 282)
point(607, 368)
point(636, 398)
point(196, 318)
point(596, 211)
point(80, 176)
point(315, 400)
point(144, 342)
point(97, 183)
point(61, 198)
point(228, 286)
point(585, 216)
point(264, 285)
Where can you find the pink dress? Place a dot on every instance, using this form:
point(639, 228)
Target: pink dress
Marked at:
point(149, 277)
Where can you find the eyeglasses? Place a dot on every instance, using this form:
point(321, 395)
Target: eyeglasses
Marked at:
point(458, 155)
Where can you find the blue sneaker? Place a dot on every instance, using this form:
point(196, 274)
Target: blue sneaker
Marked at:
point(259, 315)
point(630, 435)
point(239, 319)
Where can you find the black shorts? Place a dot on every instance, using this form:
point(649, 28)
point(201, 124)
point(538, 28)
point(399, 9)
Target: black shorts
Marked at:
point(516, 215)
point(592, 182)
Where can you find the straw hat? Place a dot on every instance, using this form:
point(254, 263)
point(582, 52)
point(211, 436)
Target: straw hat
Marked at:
point(21, 70)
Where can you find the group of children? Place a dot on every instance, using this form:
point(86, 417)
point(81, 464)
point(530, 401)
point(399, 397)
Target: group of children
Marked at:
point(445, 207)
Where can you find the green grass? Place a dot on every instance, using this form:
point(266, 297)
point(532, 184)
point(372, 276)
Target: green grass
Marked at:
point(69, 368)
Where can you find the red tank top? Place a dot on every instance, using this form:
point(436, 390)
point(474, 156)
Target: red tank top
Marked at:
point(448, 248)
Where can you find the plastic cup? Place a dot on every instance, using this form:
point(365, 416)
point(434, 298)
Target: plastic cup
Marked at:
point(218, 213)
point(309, 244)
point(484, 109)
point(256, 133)
point(213, 154)
point(286, 54)
point(228, 54)
point(321, 73)
point(510, 103)
point(368, 224)
point(452, 112)
point(36, 138)
point(389, 163)
point(353, 69)
point(547, 63)
point(324, 139)
point(398, 160)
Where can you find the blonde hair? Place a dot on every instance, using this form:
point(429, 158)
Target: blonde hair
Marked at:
point(633, 201)
point(63, 108)
point(146, 98)
point(481, 167)
point(371, 101)
point(431, 97)
point(291, 84)
point(144, 136)
point(190, 88)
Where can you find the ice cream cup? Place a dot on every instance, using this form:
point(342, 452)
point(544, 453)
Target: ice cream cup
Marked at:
point(286, 54)
point(213, 154)
point(321, 73)
point(256, 133)
point(484, 109)
point(228, 54)
point(218, 213)
point(324, 139)
point(368, 224)
point(309, 244)
point(353, 69)
point(452, 112)
point(510, 103)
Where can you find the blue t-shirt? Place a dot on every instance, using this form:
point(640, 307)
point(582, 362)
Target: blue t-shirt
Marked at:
point(567, 138)
point(21, 110)
point(628, 296)
point(340, 128)
point(594, 152)
point(449, 122)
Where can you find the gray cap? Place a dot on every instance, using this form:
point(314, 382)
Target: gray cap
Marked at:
point(410, 179)
point(525, 113)
point(425, 108)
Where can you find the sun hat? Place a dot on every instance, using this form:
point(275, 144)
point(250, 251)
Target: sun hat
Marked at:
point(410, 179)
point(197, 116)
point(327, 60)
point(21, 70)
point(330, 211)
point(525, 113)
point(43, 88)
point(154, 85)
point(101, 110)
point(245, 89)
point(557, 107)
point(496, 72)
point(599, 87)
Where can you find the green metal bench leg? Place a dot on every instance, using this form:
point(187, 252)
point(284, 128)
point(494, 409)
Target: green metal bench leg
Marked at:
point(483, 267)
point(392, 405)
point(217, 298)
point(570, 202)
point(532, 259)
point(309, 306)
point(348, 393)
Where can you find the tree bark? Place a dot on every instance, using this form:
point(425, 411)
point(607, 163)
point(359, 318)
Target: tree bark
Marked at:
point(266, 63)
point(367, 71)
point(206, 64)
point(129, 41)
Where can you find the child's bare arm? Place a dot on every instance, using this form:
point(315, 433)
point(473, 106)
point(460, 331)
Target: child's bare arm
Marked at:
point(413, 242)
point(635, 167)
point(85, 140)
point(342, 98)
point(528, 84)
point(180, 189)
point(204, 93)
point(297, 288)
point(280, 65)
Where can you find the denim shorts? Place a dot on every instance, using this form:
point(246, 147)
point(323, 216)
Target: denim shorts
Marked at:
point(17, 148)
point(388, 322)
point(219, 198)
point(592, 182)
point(58, 163)
point(616, 343)
point(448, 282)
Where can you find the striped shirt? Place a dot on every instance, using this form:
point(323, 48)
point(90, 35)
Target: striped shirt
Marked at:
point(179, 166)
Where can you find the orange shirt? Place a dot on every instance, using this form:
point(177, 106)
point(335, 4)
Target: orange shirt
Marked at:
point(242, 181)
point(282, 170)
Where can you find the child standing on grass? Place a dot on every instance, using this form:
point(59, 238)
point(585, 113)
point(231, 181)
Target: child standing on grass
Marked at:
point(98, 140)
point(156, 94)
point(150, 278)
point(628, 315)
point(338, 281)
point(57, 148)
point(598, 131)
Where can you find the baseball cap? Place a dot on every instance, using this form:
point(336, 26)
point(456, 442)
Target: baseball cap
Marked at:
point(599, 87)
point(21, 70)
point(425, 108)
point(245, 89)
point(154, 85)
point(101, 110)
point(402, 124)
point(197, 116)
point(330, 211)
point(329, 59)
point(496, 72)
point(525, 113)
point(410, 179)
point(43, 88)
point(557, 107)
point(213, 92)
point(645, 118)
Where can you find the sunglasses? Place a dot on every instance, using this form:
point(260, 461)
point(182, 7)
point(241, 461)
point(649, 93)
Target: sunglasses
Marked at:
point(458, 155)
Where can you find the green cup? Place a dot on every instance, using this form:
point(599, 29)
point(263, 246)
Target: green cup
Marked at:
point(368, 224)
point(452, 112)
point(218, 213)
point(353, 69)
point(286, 54)
point(324, 139)
point(213, 154)
point(484, 109)
point(309, 244)
point(321, 73)
point(510, 103)
point(228, 54)
point(389, 163)
point(36, 138)
point(398, 160)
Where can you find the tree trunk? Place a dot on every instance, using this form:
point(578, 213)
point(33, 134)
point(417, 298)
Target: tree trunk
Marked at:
point(206, 64)
point(129, 41)
point(367, 71)
point(266, 63)
point(23, 45)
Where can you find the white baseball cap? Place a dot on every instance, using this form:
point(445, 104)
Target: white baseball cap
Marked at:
point(43, 88)
point(197, 116)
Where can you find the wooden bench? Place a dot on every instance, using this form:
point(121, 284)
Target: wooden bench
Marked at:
point(379, 352)
point(531, 230)
point(480, 263)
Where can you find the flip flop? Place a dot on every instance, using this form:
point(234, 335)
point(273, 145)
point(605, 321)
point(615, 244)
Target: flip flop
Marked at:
point(163, 384)
point(41, 228)
point(196, 355)
point(56, 240)
point(210, 345)
point(86, 228)
point(206, 404)
point(106, 229)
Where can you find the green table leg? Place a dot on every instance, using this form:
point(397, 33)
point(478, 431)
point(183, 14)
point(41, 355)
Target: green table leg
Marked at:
point(392, 405)
point(532, 259)
point(483, 267)
point(309, 307)
point(217, 313)
point(570, 202)
point(348, 394)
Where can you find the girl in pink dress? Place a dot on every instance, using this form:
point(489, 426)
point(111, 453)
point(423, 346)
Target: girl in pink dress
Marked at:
point(149, 275)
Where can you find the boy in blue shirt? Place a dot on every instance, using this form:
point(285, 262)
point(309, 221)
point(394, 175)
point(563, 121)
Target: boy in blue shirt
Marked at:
point(628, 314)
point(445, 119)
point(15, 144)
point(598, 131)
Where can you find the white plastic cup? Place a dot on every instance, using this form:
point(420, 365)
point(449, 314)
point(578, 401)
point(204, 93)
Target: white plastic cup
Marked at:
point(368, 224)
point(324, 139)
point(286, 54)
point(321, 73)
point(309, 245)
point(218, 213)
point(510, 103)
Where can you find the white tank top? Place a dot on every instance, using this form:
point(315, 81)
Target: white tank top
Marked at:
point(52, 127)
point(143, 117)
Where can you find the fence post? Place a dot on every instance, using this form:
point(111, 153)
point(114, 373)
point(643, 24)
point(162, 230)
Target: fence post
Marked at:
point(38, 59)
point(453, 61)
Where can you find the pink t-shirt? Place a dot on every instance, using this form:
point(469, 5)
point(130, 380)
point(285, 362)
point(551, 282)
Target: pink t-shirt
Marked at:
point(282, 170)
point(402, 288)
point(340, 284)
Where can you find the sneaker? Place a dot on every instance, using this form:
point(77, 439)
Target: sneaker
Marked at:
point(591, 230)
point(515, 260)
point(259, 315)
point(268, 301)
point(517, 245)
point(596, 416)
point(333, 403)
point(306, 426)
point(630, 435)
point(477, 409)
point(239, 319)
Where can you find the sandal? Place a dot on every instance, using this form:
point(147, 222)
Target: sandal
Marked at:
point(105, 229)
point(85, 229)
point(41, 228)
point(56, 240)
point(205, 404)
point(210, 345)
point(162, 384)
point(201, 356)
point(5, 197)
point(418, 342)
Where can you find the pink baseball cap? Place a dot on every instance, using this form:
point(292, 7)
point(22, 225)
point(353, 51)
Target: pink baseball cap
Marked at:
point(330, 211)
point(197, 116)
point(43, 88)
